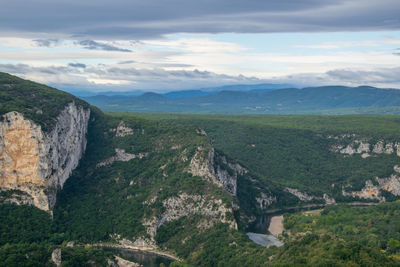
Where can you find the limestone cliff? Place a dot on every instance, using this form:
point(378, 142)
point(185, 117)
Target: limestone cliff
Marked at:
point(37, 163)
point(303, 196)
point(374, 191)
point(216, 168)
point(212, 211)
point(352, 144)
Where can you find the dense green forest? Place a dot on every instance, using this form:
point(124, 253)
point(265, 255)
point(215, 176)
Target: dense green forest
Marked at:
point(295, 151)
point(343, 235)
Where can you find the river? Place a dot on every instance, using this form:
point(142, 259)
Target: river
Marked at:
point(273, 222)
point(257, 231)
point(142, 257)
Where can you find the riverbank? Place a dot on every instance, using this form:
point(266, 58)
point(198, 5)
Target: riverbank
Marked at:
point(138, 248)
point(276, 225)
point(319, 205)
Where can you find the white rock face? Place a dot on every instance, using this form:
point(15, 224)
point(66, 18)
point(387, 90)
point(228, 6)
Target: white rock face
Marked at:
point(213, 211)
point(36, 162)
point(121, 155)
point(56, 257)
point(122, 130)
point(204, 165)
point(329, 200)
point(306, 197)
point(300, 195)
point(369, 191)
point(378, 148)
point(264, 200)
point(396, 168)
point(391, 184)
point(125, 263)
point(366, 149)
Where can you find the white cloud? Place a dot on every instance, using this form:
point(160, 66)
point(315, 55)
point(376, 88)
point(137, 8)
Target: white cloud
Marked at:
point(189, 63)
point(338, 45)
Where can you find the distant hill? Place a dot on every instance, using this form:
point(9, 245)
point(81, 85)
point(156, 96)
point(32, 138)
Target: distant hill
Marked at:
point(262, 87)
point(310, 100)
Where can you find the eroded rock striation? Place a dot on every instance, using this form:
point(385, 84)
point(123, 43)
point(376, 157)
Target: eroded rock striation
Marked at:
point(303, 196)
point(264, 200)
point(37, 163)
point(122, 130)
point(363, 146)
point(374, 191)
point(216, 168)
point(121, 155)
point(211, 210)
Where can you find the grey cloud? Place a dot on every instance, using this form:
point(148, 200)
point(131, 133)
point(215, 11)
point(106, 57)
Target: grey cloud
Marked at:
point(46, 42)
point(160, 65)
point(133, 78)
point(159, 79)
point(383, 75)
point(93, 45)
point(138, 19)
point(126, 62)
point(77, 65)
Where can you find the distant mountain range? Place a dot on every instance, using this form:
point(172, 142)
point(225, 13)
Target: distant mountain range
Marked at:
point(259, 99)
point(263, 87)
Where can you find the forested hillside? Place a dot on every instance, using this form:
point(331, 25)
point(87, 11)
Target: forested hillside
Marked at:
point(343, 236)
point(295, 160)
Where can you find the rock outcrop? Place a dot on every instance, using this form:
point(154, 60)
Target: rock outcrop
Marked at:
point(125, 263)
point(300, 195)
point(369, 191)
point(122, 130)
point(307, 197)
point(211, 210)
point(264, 200)
point(216, 168)
point(56, 257)
point(37, 163)
point(121, 155)
point(374, 191)
point(363, 147)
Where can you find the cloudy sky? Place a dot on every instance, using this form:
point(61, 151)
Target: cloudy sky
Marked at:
point(163, 45)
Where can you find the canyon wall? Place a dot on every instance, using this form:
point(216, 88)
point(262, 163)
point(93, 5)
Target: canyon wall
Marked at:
point(34, 163)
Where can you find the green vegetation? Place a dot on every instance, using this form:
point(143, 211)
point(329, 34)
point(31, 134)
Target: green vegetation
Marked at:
point(342, 236)
point(24, 224)
point(37, 102)
point(325, 250)
point(87, 256)
point(33, 254)
point(374, 226)
point(295, 151)
point(223, 247)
